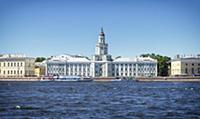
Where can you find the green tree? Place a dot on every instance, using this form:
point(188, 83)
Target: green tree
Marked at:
point(163, 63)
point(40, 59)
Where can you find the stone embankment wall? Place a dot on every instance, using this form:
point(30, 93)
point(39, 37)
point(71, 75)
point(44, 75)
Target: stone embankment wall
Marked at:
point(19, 79)
point(172, 79)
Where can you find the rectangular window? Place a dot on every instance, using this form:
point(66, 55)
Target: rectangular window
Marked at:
point(186, 70)
point(192, 70)
point(117, 74)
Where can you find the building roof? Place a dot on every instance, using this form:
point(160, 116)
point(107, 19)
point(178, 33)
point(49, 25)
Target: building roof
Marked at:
point(137, 59)
point(69, 58)
point(13, 57)
point(123, 59)
point(189, 59)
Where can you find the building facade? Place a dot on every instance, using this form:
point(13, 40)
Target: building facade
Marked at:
point(39, 69)
point(16, 66)
point(68, 65)
point(101, 64)
point(135, 67)
point(186, 66)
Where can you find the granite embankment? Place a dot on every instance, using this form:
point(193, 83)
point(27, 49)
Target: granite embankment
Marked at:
point(170, 79)
point(19, 79)
point(140, 79)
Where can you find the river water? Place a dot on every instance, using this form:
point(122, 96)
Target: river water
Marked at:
point(99, 100)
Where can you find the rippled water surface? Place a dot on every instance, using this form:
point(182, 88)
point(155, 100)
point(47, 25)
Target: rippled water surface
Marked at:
point(83, 100)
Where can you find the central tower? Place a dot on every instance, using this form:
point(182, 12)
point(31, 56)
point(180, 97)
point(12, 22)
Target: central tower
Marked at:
point(101, 46)
point(101, 62)
point(101, 49)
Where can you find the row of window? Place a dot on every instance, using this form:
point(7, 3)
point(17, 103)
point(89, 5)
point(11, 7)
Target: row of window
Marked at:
point(146, 69)
point(134, 69)
point(125, 74)
point(71, 69)
point(139, 64)
point(122, 73)
point(83, 74)
point(128, 74)
point(68, 65)
point(68, 74)
point(130, 68)
point(61, 71)
point(77, 65)
point(11, 64)
point(11, 72)
point(186, 64)
point(192, 70)
point(146, 74)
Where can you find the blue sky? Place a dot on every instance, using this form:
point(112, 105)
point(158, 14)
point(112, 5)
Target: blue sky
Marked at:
point(132, 27)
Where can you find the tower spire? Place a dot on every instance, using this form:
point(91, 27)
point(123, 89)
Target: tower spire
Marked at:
point(102, 33)
point(102, 29)
point(101, 47)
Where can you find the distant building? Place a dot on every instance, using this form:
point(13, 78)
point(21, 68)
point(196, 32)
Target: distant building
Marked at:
point(16, 66)
point(102, 64)
point(187, 65)
point(39, 69)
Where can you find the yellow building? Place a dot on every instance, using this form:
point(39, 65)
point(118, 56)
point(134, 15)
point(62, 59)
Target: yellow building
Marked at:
point(39, 69)
point(185, 66)
point(16, 66)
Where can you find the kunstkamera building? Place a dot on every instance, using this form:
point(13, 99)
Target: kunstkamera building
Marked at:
point(101, 64)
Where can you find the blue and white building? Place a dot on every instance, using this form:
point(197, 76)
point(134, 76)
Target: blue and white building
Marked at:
point(101, 64)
